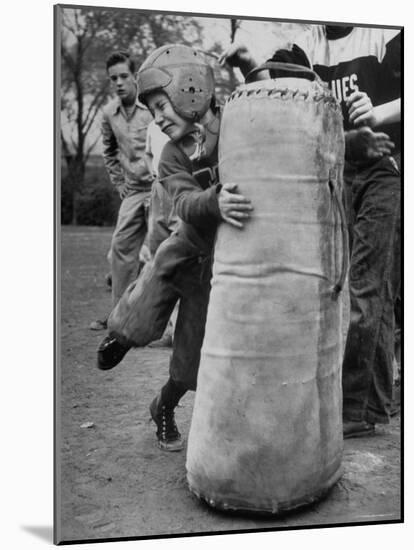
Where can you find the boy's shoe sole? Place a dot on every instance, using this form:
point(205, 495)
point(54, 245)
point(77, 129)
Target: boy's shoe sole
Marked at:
point(171, 446)
point(165, 342)
point(358, 429)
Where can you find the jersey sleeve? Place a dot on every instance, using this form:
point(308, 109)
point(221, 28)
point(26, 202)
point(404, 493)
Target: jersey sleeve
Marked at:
point(306, 41)
point(191, 203)
point(301, 52)
point(392, 58)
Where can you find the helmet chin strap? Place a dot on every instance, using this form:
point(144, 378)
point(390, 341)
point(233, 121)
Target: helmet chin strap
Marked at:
point(207, 127)
point(199, 137)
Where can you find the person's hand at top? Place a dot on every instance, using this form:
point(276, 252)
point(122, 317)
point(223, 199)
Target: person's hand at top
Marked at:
point(238, 55)
point(363, 113)
point(234, 207)
point(360, 109)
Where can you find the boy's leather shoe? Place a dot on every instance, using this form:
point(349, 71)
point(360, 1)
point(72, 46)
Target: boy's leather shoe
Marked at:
point(169, 438)
point(110, 353)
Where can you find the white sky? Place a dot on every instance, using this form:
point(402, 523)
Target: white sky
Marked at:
point(262, 37)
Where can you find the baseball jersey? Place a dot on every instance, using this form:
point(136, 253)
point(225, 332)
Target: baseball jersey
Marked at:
point(366, 59)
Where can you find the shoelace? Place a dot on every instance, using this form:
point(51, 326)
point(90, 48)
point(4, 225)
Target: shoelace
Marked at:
point(169, 427)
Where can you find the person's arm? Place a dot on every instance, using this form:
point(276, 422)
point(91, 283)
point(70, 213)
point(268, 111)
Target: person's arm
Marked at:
point(363, 145)
point(234, 207)
point(193, 204)
point(387, 113)
point(360, 108)
point(110, 156)
point(219, 202)
point(238, 55)
point(294, 55)
point(362, 112)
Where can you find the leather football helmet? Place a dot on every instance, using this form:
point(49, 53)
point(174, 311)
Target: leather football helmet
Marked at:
point(183, 75)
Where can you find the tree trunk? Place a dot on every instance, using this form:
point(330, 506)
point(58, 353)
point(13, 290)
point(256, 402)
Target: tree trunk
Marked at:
point(77, 177)
point(75, 200)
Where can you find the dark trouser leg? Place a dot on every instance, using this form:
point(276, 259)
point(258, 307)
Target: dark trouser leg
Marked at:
point(374, 282)
point(349, 176)
point(192, 282)
point(162, 222)
point(144, 309)
point(190, 325)
point(171, 393)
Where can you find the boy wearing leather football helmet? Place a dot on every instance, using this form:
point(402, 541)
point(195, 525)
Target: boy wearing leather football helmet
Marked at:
point(177, 85)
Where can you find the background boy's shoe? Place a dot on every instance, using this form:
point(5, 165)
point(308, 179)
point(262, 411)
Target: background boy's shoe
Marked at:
point(165, 341)
point(110, 353)
point(99, 325)
point(169, 438)
point(357, 429)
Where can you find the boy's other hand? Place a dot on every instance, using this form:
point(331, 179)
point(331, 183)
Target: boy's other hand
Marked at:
point(234, 207)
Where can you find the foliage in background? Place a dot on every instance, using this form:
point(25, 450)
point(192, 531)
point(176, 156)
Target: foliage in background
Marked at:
point(97, 202)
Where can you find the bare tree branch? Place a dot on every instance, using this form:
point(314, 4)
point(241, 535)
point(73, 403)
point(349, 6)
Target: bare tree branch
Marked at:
point(67, 24)
point(93, 108)
point(65, 147)
point(93, 117)
point(234, 25)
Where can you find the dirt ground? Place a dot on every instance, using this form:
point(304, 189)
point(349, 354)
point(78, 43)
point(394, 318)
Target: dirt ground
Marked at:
point(114, 481)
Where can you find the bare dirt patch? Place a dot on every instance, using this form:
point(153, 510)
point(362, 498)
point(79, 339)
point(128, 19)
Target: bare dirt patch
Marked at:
point(115, 482)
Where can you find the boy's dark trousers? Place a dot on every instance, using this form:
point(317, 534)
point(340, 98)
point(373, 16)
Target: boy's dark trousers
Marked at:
point(178, 272)
point(374, 283)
